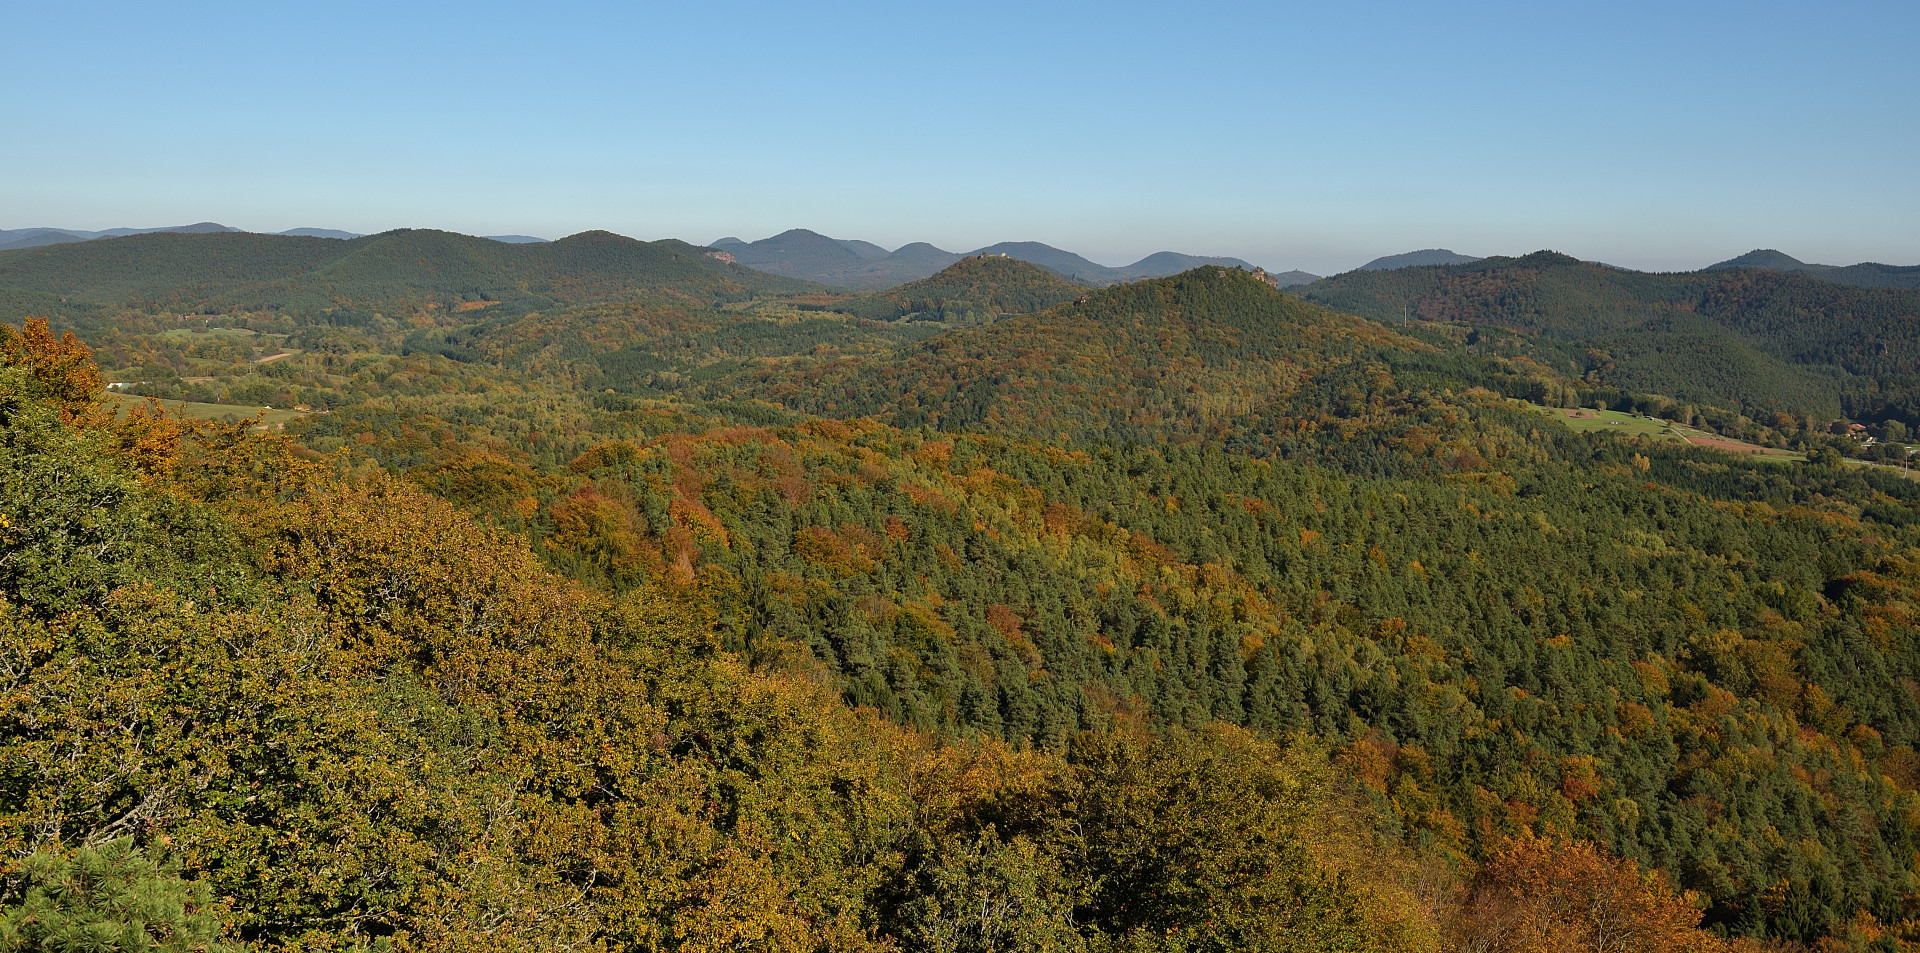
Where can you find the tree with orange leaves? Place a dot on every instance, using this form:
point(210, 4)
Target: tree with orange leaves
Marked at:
point(63, 367)
point(61, 373)
point(1543, 895)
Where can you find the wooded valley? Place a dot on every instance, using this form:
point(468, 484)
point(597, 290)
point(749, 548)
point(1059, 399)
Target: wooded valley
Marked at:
point(608, 595)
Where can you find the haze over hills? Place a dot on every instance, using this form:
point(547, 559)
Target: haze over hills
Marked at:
point(867, 250)
point(444, 590)
point(1131, 356)
point(309, 232)
point(862, 265)
point(1164, 263)
point(1864, 274)
point(799, 253)
point(1013, 510)
point(848, 263)
point(1063, 263)
point(37, 237)
point(977, 289)
point(192, 272)
point(17, 238)
point(1287, 279)
point(1766, 340)
point(1415, 259)
point(1262, 529)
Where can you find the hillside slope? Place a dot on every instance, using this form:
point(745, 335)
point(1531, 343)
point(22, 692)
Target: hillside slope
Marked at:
point(1416, 259)
point(845, 263)
point(1079, 570)
point(188, 272)
point(1863, 275)
point(1154, 360)
point(1798, 343)
point(973, 290)
point(37, 237)
point(363, 719)
point(811, 256)
point(1195, 500)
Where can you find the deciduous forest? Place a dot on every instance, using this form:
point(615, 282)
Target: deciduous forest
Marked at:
point(409, 593)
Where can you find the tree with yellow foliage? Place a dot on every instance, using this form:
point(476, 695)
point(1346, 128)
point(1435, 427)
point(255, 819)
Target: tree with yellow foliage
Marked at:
point(1545, 895)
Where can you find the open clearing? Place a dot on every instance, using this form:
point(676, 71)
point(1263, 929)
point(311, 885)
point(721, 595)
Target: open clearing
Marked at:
point(1613, 421)
point(175, 334)
point(229, 412)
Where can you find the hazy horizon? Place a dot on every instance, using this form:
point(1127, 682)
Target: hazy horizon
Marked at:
point(1302, 137)
point(1107, 260)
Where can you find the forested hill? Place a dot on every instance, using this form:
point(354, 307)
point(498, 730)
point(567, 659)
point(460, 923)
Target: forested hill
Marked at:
point(1196, 500)
point(1184, 615)
point(1865, 274)
point(1078, 269)
point(1414, 259)
point(1765, 341)
point(259, 701)
point(974, 290)
point(846, 263)
point(223, 272)
point(1213, 349)
point(804, 254)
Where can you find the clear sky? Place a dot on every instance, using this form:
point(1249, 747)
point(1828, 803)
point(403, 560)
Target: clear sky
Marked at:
point(1314, 135)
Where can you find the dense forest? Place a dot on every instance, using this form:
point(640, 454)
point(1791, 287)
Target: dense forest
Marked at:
point(975, 290)
point(852, 264)
point(1179, 615)
point(1761, 341)
point(1865, 274)
point(352, 282)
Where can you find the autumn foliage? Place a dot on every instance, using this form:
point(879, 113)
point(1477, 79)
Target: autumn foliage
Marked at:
point(569, 630)
point(61, 367)
point(1546, 895)
point(361, 719)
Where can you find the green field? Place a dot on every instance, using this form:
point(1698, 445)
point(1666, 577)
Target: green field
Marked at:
point(1613, 421)
point(177, 333)
point(228, 412)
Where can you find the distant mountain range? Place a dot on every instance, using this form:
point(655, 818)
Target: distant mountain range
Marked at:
point(1418, 259)
point(352, 281)
point(864, 266)
point(849, 263)
point(319, 233)
point(11, 239)
point(1762, 339)
point(974, 290)
point(36, 237)
point(1863, 275)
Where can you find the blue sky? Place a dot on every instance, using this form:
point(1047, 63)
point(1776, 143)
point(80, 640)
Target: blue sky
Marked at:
point(1317, 136)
